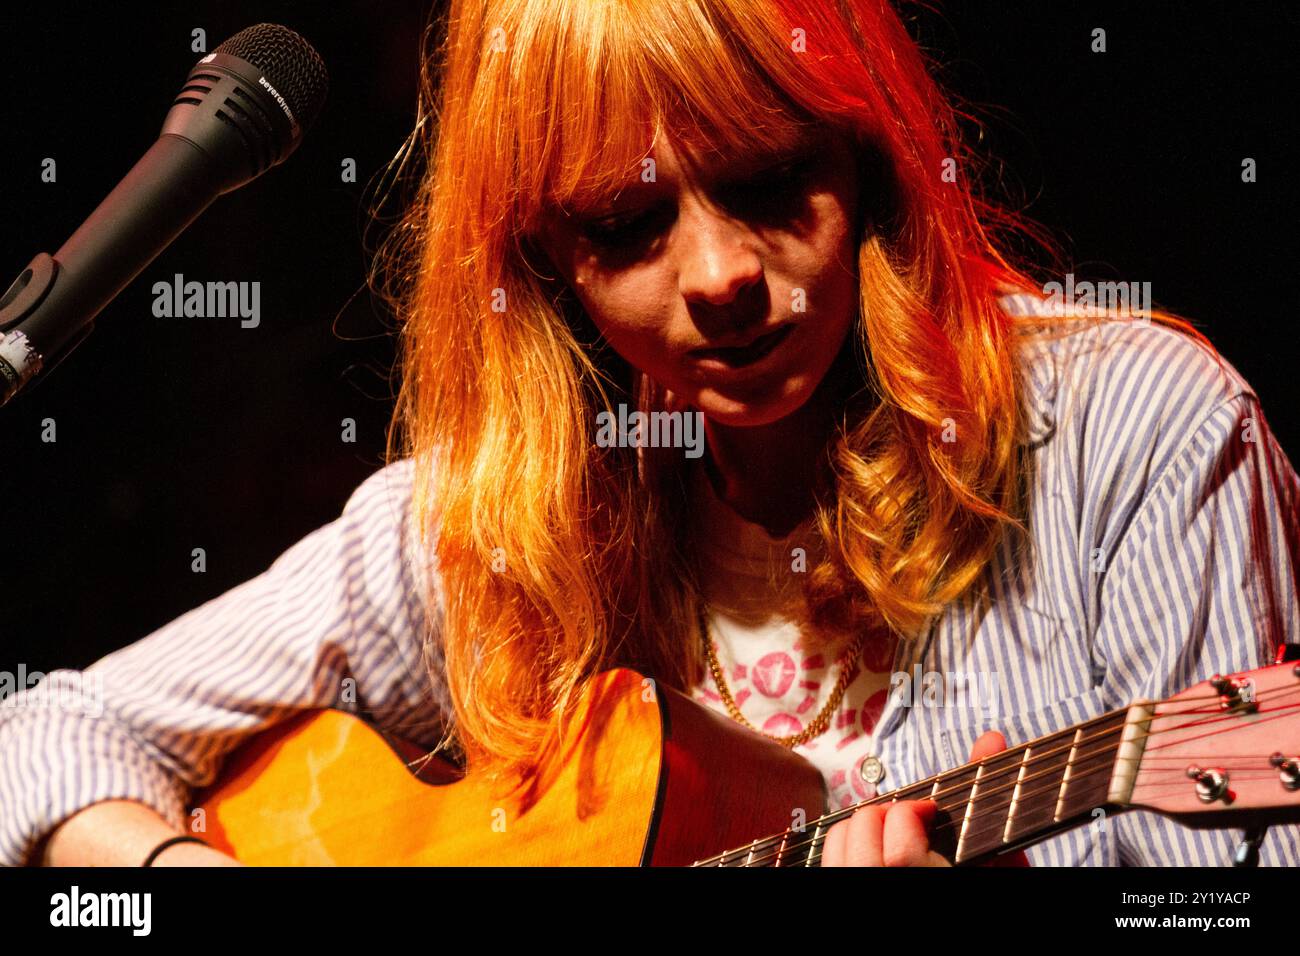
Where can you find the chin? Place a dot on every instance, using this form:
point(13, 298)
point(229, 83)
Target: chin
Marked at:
point(740, 411)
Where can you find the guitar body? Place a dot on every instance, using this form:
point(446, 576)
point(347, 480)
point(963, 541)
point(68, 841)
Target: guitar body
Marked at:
point(645, 777)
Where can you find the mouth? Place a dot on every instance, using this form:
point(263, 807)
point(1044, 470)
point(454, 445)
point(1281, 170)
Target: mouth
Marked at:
point(750, 354)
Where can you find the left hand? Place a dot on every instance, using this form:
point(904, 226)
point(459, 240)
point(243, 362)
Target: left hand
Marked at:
point(897, 834)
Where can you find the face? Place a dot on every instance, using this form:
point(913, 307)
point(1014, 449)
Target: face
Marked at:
point(731, 285)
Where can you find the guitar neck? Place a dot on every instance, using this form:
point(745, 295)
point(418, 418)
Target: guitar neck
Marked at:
point(1012, 799)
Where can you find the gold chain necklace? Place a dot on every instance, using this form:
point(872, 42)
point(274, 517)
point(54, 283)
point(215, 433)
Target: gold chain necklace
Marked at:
point(848, 663)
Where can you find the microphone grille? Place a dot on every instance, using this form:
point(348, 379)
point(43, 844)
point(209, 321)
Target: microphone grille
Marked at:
point(288, 61)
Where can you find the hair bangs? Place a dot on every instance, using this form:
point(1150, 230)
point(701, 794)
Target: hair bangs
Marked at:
point(603, 89)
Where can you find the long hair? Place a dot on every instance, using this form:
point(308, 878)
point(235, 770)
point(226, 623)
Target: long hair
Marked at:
point(557, 557)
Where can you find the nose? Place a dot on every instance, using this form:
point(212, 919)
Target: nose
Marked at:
point(716, 258)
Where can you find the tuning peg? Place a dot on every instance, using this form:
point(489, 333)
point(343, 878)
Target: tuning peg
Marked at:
point(1288, 770)
point(1237, 696)
point(1211, 785)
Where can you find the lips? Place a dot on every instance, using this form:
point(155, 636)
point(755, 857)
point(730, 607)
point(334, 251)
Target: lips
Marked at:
point(747, 354)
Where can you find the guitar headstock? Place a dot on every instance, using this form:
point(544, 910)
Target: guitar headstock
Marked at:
point(1224, 753)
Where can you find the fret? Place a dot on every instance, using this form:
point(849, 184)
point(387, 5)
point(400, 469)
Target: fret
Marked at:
point(1091, 765)
point(1012, 798)
point(1046, 765)
point(798, 847)
point(1053, 783)
point(1017, 795)
point(1025, 791)
point(763, 853)
point(1059, 810)
point(815, 847)
point(988, 806)
point(970, 805)
point(948, 822)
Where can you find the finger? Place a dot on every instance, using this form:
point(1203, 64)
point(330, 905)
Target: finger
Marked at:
point(833, 844)
point(906, 840)
point(865, 838)
point(990, 743)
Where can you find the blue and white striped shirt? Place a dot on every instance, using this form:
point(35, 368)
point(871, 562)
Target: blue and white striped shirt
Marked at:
point(1164, 550)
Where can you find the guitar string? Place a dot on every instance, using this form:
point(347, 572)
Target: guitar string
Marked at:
point(996, 810)
point(1016, 767)
point(980, 814)
point(984, 794)
point(846, 812)
point(973, 833)
point(843, 813)
point(818, 843)
point(919, 787)
point(1218, 717)
point(1182, 760)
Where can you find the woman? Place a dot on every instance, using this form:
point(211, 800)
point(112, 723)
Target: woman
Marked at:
point(760, 213)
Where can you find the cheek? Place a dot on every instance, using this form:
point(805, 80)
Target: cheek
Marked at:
point(824, 275)
point(839, 272)
point(834, 254)
point(628, 311)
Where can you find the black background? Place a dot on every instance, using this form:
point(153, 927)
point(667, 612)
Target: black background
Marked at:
point(182, 433)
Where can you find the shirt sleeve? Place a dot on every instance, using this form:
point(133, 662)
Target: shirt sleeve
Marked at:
point(339, 620)
point(1202, 581)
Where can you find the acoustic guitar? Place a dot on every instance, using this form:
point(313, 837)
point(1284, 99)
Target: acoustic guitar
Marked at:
point(648, 776)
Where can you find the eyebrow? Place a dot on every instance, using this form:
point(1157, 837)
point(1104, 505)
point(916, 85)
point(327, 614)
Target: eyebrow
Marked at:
point(769, 161)
point(751, 166)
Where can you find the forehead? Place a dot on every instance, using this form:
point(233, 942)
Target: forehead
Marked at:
point(678, 158)
point(567, 117)
point(705, 159)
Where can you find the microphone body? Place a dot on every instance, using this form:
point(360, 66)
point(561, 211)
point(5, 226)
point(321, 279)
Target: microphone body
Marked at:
point(162, 194)
point(228, 125)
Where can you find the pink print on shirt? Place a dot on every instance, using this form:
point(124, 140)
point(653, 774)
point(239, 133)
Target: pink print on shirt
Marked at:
point(774, 674)
point(779, 690)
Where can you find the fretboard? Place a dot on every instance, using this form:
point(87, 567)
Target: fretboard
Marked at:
point(1012, 799)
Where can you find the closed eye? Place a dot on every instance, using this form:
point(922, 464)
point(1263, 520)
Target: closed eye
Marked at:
point(777, 191)
point(624, 228)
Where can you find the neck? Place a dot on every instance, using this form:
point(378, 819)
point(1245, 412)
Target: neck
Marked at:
point(767, 473)
point(1014, 798)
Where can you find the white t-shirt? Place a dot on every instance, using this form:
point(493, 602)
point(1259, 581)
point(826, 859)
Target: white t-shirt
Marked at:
point(777, 676)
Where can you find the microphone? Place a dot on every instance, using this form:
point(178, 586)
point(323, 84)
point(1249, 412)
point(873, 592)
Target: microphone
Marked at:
point(243, 109)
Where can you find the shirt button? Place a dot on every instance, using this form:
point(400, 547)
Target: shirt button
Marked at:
point(872, 770)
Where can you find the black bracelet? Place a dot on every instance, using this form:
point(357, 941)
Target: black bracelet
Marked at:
point(169, 842)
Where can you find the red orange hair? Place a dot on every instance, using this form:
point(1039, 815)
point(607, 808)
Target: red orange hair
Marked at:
point(558, 557)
